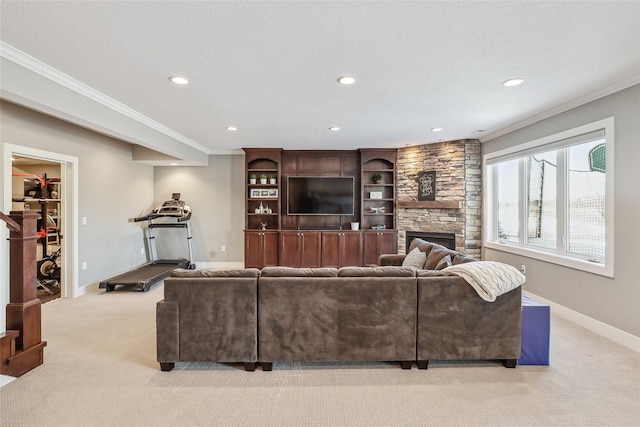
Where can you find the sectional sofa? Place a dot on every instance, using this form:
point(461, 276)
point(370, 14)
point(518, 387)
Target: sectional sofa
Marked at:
point(396, 313)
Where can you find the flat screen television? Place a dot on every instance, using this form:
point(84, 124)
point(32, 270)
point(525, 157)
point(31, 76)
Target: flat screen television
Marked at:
point(320, 195)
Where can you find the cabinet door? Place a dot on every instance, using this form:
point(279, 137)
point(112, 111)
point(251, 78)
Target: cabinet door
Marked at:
point(331, 248)
point(290, 247)
point(253, 249)
point(377, 243)
point(351, 249)
point(387, 243)
point(310, 253)
point(270, 249)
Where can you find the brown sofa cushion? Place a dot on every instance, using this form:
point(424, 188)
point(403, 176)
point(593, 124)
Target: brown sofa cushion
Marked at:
point(232, 272)
point(299, 272)
point(385, 271)
point(444, 262)
point(436, 254)
point(423, 245)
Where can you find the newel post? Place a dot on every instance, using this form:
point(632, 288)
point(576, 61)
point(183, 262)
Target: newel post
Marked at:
point(21, 347)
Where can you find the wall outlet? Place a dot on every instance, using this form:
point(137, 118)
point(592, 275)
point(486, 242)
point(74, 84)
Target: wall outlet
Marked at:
point(223, 248)
point(84, 265)
point(523, 269)
point(84, 220)
point(141, 251)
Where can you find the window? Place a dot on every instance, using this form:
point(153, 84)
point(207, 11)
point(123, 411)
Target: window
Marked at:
point(552, 199)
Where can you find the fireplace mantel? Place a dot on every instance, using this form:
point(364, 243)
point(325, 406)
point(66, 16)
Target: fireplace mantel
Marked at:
point(436, 204)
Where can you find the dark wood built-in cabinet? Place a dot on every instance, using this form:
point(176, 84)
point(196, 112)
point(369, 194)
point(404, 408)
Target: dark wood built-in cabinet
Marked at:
point(273, 237)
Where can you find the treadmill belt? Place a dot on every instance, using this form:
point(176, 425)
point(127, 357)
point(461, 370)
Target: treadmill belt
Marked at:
point(145, 275)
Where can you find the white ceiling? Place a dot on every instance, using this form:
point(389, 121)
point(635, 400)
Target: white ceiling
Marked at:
point(270, 68)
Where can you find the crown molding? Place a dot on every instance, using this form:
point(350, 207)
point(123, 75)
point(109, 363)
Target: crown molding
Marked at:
point(24, 60)
point(600, 93)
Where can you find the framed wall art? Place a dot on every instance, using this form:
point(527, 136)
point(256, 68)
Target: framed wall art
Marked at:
point(427, 186)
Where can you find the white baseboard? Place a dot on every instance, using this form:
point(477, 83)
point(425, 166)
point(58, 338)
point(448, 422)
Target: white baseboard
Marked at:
point(596, 326)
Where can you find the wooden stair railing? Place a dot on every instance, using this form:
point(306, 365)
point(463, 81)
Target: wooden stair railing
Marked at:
point(21, 346)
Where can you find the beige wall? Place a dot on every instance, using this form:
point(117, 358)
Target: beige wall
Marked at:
point(615, 302)
point(215, 194)
point(111, 190)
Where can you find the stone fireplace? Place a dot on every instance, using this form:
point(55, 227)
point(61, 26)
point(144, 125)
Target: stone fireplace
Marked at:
point(457, 209)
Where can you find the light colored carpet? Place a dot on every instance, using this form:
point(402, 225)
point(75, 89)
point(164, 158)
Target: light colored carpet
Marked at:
point(100, 370)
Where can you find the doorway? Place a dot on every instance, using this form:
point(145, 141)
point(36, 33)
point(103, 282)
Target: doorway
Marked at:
point(66, 213)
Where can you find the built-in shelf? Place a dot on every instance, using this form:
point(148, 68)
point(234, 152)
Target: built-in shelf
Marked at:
point(436, 204)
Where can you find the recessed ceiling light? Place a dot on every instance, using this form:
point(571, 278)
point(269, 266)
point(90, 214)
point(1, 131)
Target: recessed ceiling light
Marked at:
point(173, 164)
point(179, 80)
point(346, 80)
point(231, 128)
point(512, 82)
point(334, 128)
point(436, 129)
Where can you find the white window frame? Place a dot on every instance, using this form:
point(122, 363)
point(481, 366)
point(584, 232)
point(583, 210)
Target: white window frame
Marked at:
point(490, 217)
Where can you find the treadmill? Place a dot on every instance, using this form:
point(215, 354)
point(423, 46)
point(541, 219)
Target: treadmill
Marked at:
point(156, 270)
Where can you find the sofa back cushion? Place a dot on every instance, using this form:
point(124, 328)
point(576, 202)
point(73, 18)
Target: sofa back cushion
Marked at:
point(384, 271)
point(330, 319)
point(422, 245)
point(444, 262)
point(436, 254)
point(299, 272)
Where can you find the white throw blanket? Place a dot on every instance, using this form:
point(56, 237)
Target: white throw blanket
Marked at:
point(490, 279)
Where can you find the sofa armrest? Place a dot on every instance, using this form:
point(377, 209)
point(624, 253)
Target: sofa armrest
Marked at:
point(167, 332)
point(391, 259)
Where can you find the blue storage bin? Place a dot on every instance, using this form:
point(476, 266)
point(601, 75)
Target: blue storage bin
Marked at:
point(536, 325)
